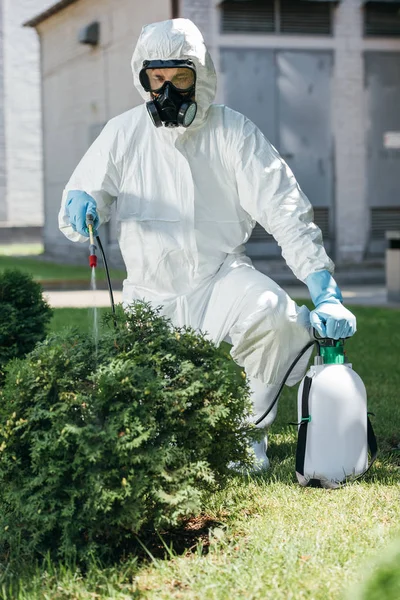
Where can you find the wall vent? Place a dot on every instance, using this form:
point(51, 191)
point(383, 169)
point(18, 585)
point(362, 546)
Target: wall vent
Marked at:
point(384, 219)
point(382, 19)
point(260, 235)
point(90, 34)
point(282, 16)
point(248, 16)
point(313, 18)
point(322, 219)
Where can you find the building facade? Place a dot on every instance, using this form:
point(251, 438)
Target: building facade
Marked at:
point(21, 175)
point(83, 86)
point(320, 78)
point(322, 81)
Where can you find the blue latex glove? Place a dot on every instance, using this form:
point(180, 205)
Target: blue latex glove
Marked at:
point(330, 318)
point(78, 205)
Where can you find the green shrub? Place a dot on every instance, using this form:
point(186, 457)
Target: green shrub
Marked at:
point(24, 315)
point(382, 580)
point(97, 447)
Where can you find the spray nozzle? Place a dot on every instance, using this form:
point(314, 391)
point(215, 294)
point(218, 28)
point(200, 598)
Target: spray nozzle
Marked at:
point(92, 247)
point(92, 256)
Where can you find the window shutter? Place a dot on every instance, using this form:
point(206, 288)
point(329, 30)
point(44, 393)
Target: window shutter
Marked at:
point(259, 234)
point(312, 18)
point(384, 219)
point(321, 218)
point(382, 19)
point(248, 16)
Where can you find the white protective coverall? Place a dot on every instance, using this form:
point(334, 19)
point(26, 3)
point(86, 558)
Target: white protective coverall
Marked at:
point(186, 203)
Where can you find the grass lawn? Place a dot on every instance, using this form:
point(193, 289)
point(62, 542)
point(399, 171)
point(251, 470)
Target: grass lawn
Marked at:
point(266, 537)
point(44, 271)
point(81, 318)
point(21, 249)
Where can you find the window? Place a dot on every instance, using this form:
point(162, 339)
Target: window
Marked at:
point(245, 16)
point(305, 17)
point(277, 16)
point(382, 19)
point(384, 219)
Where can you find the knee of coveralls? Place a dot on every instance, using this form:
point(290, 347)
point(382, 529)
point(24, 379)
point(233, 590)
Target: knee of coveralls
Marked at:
point(278, 336)
point(267, 341)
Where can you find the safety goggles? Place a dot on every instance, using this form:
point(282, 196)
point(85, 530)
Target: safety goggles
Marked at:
point(181, 73)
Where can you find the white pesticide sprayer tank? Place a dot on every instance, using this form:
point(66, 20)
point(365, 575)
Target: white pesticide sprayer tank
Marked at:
point(336, 425)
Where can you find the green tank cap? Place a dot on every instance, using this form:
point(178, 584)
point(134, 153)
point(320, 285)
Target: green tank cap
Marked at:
point(332, 351)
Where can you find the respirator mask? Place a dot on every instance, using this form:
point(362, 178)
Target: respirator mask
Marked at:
point(172, 86)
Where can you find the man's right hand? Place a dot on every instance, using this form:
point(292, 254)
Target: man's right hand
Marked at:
point(79, 204)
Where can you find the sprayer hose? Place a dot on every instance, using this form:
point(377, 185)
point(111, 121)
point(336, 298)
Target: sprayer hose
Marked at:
point(107, 274)
point(294, 363)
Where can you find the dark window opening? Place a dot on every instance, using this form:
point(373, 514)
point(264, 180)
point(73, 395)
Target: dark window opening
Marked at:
point(243, 16)
point(382, 19)
point(384, 219)
point(305, 17)
point(277, 16)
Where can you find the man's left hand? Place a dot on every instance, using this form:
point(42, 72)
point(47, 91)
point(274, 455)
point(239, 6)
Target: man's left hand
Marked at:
point(333, 320)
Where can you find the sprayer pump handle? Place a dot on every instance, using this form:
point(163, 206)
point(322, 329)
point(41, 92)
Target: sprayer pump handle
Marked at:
point(319, 337)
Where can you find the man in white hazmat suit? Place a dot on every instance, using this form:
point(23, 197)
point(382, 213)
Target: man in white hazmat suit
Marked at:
point(190, 179)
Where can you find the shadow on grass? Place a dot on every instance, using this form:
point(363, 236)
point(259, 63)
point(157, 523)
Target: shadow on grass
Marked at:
point(192, 536)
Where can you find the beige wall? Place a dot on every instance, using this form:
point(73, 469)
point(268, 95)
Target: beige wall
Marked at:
point(20, 120)
point(83, 87)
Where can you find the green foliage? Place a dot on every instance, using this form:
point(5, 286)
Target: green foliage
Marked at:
point(24, 315)
point(96, 446)
point(382, 581)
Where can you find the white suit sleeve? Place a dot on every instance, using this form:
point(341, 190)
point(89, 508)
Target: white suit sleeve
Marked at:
point(98, 176)
point(269, 192)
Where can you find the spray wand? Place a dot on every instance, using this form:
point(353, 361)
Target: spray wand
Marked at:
point(92, 247)
point(93, 257)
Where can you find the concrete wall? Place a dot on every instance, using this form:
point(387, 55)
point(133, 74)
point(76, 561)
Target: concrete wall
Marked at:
point(83, 87)
point(352, 214)
point(350, 126)
point(200, 12)
point(349, 119)
point(20, 152)
point(3, 200)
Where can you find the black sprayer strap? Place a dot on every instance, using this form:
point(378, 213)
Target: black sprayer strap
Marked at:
point(372, 445)
point(302, 434)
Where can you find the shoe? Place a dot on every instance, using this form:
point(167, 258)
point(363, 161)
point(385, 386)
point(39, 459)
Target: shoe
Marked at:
point(261, 462)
